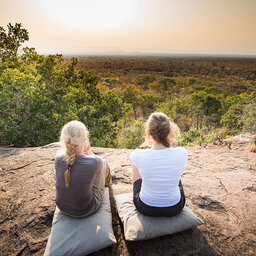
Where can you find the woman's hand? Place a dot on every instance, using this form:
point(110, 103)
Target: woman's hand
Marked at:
point(87, 149)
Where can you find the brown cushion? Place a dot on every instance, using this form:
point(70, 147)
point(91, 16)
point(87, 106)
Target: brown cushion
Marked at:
point(78, 237)
point(140, 227)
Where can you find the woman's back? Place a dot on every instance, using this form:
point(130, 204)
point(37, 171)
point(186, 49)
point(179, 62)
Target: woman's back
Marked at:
point(161, 171)
point(76, 199)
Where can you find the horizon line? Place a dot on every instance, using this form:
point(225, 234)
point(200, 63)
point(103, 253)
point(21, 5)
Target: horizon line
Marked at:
point(156, 54)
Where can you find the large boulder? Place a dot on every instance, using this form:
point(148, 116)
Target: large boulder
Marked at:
point(219, 183)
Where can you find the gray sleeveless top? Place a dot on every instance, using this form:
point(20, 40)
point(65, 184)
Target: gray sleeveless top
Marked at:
point(77, 198)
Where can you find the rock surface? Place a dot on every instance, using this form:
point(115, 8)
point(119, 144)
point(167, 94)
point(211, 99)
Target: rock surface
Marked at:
point(238, 142)
point(219, 183)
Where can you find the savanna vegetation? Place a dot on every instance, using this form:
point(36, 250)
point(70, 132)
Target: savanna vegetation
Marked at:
point(39, 94)
point(209, 98)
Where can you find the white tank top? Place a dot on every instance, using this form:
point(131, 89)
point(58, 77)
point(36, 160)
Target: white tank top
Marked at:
point(161, 171)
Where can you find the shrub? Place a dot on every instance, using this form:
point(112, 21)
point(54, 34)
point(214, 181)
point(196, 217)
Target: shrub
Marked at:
point(213, 135)
point(112, 82)
point(248, 118)
point(230, 120)
point(34, 105)
point(191, 137)
point(143, 80)
point(252, 147)
point(131, 133)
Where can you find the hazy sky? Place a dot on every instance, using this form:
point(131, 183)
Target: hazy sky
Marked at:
point(164, 26)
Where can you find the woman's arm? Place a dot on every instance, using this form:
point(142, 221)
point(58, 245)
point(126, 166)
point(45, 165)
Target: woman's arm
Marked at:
point(135, 173)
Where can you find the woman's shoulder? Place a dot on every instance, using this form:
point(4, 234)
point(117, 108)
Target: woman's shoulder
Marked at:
point(139, 151)
point(91, 158)
point(181, 151)
point(137, 154)
point(60, 155)
point(98, 160)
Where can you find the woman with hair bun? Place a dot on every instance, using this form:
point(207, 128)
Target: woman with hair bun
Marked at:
point(80, 175)
point(157, 189)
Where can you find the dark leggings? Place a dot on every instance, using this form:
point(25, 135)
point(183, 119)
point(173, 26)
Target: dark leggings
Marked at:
point(157, 211)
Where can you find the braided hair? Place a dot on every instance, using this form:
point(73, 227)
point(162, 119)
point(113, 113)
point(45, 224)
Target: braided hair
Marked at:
point(71, 150)
point(73, 136)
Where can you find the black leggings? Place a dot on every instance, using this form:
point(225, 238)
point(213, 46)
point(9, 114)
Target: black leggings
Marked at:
point(157, 211)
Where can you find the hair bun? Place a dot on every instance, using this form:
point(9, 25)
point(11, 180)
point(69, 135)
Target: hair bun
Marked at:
point(164, 127)
point(161, 128)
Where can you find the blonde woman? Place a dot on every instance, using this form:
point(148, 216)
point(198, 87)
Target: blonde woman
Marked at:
point(157, 190)
point(80, 175)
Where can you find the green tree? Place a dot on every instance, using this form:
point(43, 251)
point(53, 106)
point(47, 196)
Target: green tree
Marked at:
point(143, 80)
point(11, 40)
point(131, 133)
point(147, 102)
point(241, 99)
point(248, 118)
point(132, 95)
point(164, 87)
point(204, 104)
point(179, 109)
point(230, 120)
point(166, 83)
point(30, 56)
point(239, 113)
point(176, 108)
point(208, 103)
point(36, 101)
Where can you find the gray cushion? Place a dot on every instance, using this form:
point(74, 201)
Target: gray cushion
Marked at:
point(140, 227)
point(78, 237)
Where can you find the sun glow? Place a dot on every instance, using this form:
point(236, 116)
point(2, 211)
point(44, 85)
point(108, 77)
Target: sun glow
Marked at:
point(92, 14)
